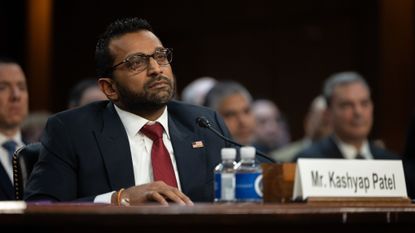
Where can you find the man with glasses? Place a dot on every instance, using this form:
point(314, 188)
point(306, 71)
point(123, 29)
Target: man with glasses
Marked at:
point(137, 147)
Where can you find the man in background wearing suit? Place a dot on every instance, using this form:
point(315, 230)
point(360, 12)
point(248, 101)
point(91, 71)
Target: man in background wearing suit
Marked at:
point(137, 147)
point(350, 110)
point(84, 92)
point(14, 107)
point(233, 102)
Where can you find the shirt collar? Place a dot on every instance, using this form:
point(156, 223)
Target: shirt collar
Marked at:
point(17, 138)
point(133, 123)
point(350, 152)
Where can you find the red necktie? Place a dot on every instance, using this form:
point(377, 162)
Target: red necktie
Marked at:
point(160, 157)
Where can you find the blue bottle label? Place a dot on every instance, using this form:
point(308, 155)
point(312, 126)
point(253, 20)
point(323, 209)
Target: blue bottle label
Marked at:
point(248, 186)
point(217, 186)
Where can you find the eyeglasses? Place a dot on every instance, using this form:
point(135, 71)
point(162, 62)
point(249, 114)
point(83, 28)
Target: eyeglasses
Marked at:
point(139, 62)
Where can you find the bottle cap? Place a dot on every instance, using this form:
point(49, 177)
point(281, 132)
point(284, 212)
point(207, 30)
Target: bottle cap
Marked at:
point(228, 153)
point(248, 152)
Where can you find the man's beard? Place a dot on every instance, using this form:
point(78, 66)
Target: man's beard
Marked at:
point(146, 100)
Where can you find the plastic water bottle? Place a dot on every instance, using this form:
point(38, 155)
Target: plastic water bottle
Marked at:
point(248, 176)
point(225, 176)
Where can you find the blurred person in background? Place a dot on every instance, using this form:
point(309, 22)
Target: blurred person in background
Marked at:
point(316, 127)
point(33, 126)
point(195, 92)
point(14, 107)
point(271, 131)
point(350, 111)
point(233, 102)
point(84, 92)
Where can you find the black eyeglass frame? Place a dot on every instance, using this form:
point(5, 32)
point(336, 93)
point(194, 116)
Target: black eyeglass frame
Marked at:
point(169, 56)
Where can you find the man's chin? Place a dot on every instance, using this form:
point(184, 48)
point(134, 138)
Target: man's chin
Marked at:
point(356, 136)
point(161, 98)
point(361, 132)
point(13, 124)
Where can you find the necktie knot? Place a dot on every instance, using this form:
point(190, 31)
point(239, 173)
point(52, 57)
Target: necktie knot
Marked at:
point(154, 131)
point(10, 146)
point(359, 156)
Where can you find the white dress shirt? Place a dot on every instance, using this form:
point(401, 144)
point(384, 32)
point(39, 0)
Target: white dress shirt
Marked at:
point(140, 146)
point(4, 155)
point(350, 152)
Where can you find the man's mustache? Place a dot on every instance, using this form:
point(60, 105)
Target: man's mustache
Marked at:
point(158, 79)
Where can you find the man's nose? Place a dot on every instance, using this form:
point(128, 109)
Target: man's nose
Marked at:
point(153, 69)
point(243, 119)
point(16, 93)
point(358, 109)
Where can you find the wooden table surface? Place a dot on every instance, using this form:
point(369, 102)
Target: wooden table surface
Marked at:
point(234, 217)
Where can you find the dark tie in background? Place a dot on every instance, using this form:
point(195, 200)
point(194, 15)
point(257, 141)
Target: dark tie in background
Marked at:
point(160, 157)
point(10, 146)
point(359, 156)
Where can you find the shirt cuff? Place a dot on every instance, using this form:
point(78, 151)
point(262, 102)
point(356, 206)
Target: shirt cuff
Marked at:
point(104, 198)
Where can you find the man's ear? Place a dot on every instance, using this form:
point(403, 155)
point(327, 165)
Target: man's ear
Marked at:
point(107, 86)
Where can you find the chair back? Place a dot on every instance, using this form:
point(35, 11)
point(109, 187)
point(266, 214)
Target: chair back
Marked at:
point(23, 161)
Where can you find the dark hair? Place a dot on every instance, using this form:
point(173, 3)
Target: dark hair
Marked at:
point(7, 60)
point(120, 27)
point(78, 90)
point(339, 79)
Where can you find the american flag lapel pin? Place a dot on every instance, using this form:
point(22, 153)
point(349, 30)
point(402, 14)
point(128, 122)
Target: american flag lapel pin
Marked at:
point(197, 144)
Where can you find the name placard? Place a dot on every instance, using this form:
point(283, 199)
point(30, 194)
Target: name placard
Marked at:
point(349, 178)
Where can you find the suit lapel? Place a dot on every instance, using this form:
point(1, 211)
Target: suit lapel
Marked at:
point(191, 162)
point(376, 153)
point(333, 148)
point(115, 150)
point(6, 186)
point(379, 153)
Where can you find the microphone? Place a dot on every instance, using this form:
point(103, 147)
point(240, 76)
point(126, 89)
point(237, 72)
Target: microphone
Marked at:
point(205, 123)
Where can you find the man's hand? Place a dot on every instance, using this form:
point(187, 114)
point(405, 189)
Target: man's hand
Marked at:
point(156, 191)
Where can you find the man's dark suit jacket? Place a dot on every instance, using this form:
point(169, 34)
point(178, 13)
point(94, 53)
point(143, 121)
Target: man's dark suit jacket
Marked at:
point(328, 149)
point(86, 153)
point(409, 158)
point(6, 186)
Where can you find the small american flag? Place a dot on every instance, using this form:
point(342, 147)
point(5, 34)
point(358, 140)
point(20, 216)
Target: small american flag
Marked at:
point(197, 144)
